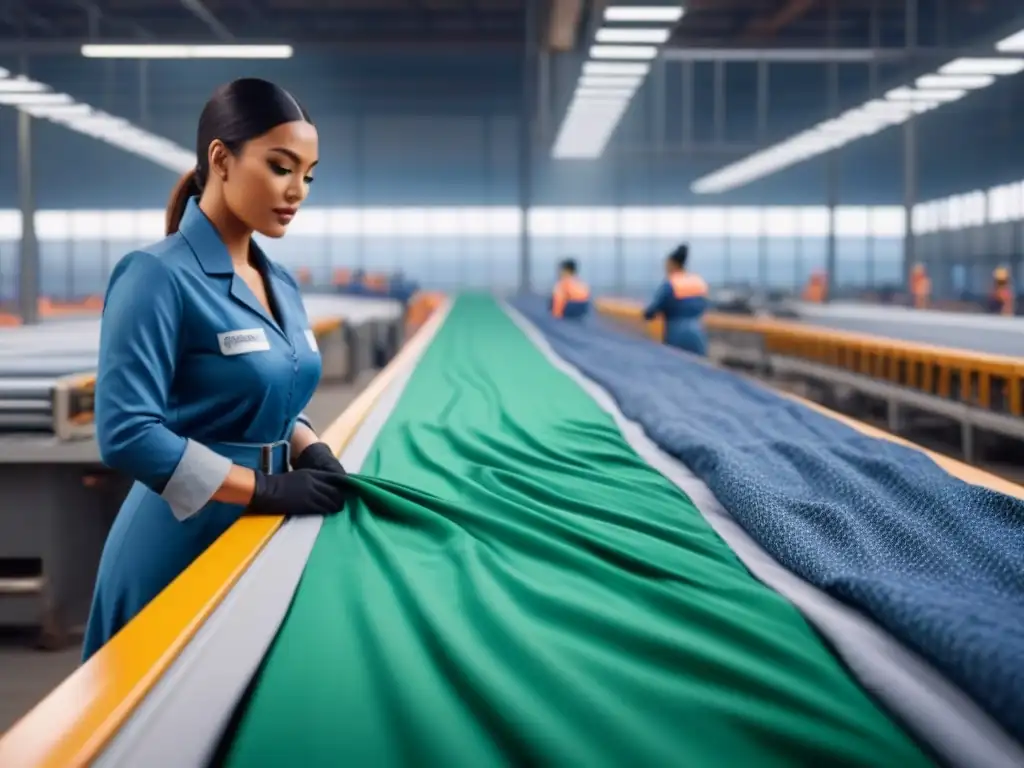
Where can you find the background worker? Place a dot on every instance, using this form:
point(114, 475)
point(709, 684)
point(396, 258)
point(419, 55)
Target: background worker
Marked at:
point(682, 300)
point(816, 290)
point(1002, 300)
point(571, 297)
point(920, 287)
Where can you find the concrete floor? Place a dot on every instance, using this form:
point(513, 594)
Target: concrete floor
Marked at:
point(27, 674)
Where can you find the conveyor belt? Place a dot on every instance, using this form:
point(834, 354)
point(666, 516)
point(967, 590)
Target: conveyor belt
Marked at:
point(534, 593)
point(978, 333)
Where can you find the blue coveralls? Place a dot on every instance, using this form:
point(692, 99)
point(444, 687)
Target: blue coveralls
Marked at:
point(682, 300)
point(193, 376)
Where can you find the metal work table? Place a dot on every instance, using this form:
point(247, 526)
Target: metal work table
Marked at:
point(979, 333)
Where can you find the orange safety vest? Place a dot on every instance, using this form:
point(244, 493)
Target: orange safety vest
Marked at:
point(686, 285)
point(921, 288)
point(568, 289)
point(816, 290)
point(1005, 296)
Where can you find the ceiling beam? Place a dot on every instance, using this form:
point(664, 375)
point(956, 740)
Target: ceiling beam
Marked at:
point(20, 18)
point(769, 26)
point(206, 16)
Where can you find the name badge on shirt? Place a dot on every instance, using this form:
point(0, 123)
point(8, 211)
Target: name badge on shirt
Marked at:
point(243, 342)
point(311, 338)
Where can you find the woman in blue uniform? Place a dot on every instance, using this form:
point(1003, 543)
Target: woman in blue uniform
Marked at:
point(207, 359)
point(682, 300)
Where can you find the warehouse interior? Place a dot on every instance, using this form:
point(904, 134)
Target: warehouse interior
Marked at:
point(565, 540)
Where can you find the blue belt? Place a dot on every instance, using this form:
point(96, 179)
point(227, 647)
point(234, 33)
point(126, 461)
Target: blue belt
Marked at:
point(269, 458)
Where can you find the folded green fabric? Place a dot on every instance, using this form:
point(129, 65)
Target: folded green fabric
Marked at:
point(516, 586)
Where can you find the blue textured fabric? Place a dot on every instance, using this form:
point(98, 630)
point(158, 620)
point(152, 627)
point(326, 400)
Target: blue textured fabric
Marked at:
point(938, 562)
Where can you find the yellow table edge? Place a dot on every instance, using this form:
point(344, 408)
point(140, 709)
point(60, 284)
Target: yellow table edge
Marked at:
point(632, 310)
point(958, 469)
point(74, 722)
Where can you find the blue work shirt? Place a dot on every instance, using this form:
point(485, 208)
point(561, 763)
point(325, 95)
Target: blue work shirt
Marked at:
point(194, 375)
point(682, 300)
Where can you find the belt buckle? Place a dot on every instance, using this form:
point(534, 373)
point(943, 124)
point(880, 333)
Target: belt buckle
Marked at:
point(267, 456)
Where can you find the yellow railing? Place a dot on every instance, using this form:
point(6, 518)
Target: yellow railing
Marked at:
point(71, 726)
point(992, 382)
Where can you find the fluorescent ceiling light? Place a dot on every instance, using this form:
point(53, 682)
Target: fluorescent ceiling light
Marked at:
point(17, 98)
point(615, 68)
point(19, 85)
point(605, 93)
point(968, 66)
point(103, 51)
point(953, 81)
point(969, 82)
point(38, 100)
point(933, 94)
point(1012, 44)
point(623, 51)
point(664, 13)
point(609, 81)
point(627, 35)
point(878, 106)
point(49, 111)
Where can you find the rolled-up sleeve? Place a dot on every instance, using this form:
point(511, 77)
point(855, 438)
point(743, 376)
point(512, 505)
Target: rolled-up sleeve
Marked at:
point(139, 344)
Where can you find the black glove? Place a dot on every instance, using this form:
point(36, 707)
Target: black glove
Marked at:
point(319, 456)
point(303, 492)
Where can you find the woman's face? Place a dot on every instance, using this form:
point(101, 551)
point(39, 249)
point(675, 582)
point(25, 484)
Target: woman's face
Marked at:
point(269, 179)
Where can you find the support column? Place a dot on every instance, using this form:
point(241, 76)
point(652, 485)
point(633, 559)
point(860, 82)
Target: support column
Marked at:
point(910, 175)
point(28, 260)
point(144, 93)
point(909, 195)
point(762, 132)
point(359, 171)
point(833, 159)
point(544, 133)
point(832, 186)
point(526, 155)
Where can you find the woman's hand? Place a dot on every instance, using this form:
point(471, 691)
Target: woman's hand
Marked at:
point(320, 457)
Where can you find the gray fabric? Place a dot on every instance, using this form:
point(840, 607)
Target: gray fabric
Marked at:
point(936, 711)
point(181, 721)
point(302, 418)
point(200, 474)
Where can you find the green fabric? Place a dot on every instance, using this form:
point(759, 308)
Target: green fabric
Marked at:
point(518, 587)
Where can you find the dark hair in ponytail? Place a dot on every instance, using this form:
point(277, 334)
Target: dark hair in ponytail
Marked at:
point(680, 255)
point(187, 186)
point(236, 113)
